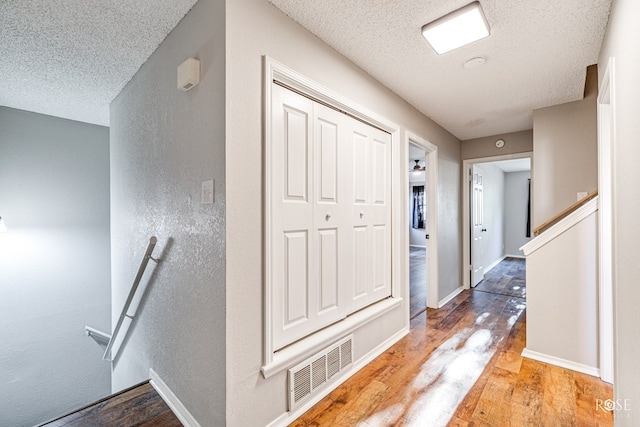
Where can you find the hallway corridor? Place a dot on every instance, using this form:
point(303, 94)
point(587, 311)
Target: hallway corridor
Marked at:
point(461, 365)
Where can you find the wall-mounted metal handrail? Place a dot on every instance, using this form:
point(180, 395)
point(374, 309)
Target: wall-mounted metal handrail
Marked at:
point(97, 335)
point(132, 292)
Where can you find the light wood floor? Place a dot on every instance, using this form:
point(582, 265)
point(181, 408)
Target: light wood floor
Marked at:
point(461, 366)
point(417, 280)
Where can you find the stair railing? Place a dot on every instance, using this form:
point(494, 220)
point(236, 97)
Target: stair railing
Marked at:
point(134, 287)
point(564, 213)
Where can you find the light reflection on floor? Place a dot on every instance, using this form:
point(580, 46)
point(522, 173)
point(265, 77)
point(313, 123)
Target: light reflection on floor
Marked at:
point(447, 376)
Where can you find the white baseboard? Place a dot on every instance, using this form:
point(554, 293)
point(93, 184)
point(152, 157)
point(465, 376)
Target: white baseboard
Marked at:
point(288, 417)
point(516, 256)
point(417, 246)
point(172, 401)
point(449, 297)
point(563, 363)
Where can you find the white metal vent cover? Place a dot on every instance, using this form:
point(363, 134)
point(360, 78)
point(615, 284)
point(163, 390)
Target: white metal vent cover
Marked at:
point(309, 377)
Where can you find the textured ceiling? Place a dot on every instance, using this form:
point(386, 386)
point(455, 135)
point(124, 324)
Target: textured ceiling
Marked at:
point(536, 56)
point(70, 58)
point(513, 165)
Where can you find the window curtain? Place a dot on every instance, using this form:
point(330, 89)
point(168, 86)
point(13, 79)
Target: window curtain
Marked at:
point(528, 231)
point(418, 207)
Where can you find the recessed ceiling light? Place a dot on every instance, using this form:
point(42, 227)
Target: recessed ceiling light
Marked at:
point(457, 29)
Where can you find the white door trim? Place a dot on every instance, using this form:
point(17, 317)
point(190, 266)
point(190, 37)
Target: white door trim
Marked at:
point(466, 216)
point(606, 184)
point(431, 161)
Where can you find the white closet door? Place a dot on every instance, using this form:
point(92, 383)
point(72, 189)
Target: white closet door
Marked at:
point(291, 215)
point(330, 195)
point(305, 217)
point(331, 161)
point(370, 223)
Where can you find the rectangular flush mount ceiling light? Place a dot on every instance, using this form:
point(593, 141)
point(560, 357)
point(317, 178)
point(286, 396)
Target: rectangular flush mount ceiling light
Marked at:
point(458, 28)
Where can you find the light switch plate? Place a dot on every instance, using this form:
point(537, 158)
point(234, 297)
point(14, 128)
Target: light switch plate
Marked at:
point(207, 192)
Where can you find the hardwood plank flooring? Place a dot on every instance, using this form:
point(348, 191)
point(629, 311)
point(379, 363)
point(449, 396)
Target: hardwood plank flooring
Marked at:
point(506, 278)
point(461, 366)
point(417, 280)
point(137, 406)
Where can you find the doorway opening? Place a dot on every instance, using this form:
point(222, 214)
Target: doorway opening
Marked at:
point(421, 224)
point(497, 211)
point(418, 233)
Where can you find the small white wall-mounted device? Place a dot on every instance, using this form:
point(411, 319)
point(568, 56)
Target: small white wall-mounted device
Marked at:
point(188, 74)
point(207, 192)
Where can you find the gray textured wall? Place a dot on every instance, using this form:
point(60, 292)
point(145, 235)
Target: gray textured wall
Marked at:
point(515, 142)
point(164, 144)
point(565, 155)
point(515, 193)
point(54, 265)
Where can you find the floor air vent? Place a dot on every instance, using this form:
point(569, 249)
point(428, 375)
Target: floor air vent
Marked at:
point(313, 374)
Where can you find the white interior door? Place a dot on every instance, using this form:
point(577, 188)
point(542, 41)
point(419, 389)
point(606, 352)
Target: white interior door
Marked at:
point(477, 222)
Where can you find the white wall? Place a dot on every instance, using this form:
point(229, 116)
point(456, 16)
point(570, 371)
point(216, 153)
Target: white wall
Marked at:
point(620, 42)
point(562, 298)
point(54, 265)
point(255, 28)
point(164, 144)
point(494, 213)
point(516, 191)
